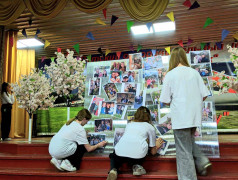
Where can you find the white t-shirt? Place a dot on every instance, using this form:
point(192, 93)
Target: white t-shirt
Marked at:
point(133, 143)
point(184, 89)
point(64, 143)
point(7, 98)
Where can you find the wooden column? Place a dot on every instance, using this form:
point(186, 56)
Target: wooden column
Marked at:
point(1, 53)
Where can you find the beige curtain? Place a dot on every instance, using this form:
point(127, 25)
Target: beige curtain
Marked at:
point(91, 6)
point(25, 62)
point(144, 10)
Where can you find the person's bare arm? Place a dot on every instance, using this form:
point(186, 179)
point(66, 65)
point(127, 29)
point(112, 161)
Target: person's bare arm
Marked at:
point(90, 148)
point(204, 98)
point(158, 144)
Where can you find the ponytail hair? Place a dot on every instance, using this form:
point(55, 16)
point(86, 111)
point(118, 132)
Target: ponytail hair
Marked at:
point(142, 115)
point(84, 113)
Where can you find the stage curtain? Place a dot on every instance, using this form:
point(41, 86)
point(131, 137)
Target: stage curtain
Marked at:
point(91, 6)
point(25, 62)
point(45, 9)
point(9, 66)
point(10, 10)
point(144, 10)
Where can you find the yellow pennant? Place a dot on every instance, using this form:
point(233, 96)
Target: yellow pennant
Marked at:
point(99, 21)
point(107, 51)
point(167, 49)
point(171, 16)
point(235, 36)
point(47, 43)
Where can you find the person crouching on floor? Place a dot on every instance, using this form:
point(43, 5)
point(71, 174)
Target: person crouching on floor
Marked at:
point(68, 146)
point(133, 146)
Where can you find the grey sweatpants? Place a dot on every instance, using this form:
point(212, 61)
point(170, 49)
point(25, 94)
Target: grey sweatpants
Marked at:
point(188, 155)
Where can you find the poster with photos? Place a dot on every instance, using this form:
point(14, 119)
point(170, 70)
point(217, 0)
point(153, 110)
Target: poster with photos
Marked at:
point(101, 71)
point(94, 86)
point(135, 61)
point(153, 62)
point(119, 132)
point(198, 57)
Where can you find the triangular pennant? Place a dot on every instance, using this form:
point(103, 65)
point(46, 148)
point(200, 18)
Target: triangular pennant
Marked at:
point(167, 49)
point(118, 54)
point(89, 57)
point(171, 16)
point(90, 36)
point(100, 51)
point(52, 59)
point(129, 24)
point(43, 58)
point(194, 5)
point(149, 25)
point(153, 52)
point(113, 19)
point(76, 47)
point(202, 45)
point(24, 32)
point(187, 3)
point(190, 41)
point(105, 13)
point(208, 22)
point(58, 49)
point(139, 47)
point(99, 21)
point(180, 42)
point(131, 47)
point(224, 34)
point(218, 45)
point(30, 22)
point(235, 36)
point(37, 32)
point(47, 43)
point(107, 51)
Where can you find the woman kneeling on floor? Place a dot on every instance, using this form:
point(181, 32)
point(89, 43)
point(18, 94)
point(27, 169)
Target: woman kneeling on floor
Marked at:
point(133, 146)
point(68, 146)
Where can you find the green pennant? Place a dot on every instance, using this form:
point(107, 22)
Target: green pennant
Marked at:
point(129, 24)
point(202, 45)
point(89, 57)
point(139, 47)
point(208, 22)
point(52, 59)
point(76, 47)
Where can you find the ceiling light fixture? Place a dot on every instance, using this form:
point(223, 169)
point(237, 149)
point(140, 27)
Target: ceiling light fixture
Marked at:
point(28, 43)
point(142, 29)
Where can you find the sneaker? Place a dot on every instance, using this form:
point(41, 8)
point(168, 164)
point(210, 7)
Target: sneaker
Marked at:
point(56, 163)
point(207, 168)
point(112, 175)
point(67, 166)
point(7, 139)
point(138, 170)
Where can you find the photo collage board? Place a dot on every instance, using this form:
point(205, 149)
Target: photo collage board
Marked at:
point(114, 90)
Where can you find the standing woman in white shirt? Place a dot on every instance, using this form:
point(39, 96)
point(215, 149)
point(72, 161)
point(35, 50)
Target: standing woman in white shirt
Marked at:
point(185, 91)
point(68, 146)
point(133, 146)
point(6, 110)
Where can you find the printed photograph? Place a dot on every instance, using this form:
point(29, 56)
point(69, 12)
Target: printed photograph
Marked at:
point(94, 139)
point(207, 84)
point(203, 69)
point(135, 61)
point(115, 77)
point(117, 135)
point(165, 126)
point(94, 105)
point(138, 100)
point(103, 125)
point(130, 115)
point(153, 62)
point(207, 112)
point(94, 86)
point(154, 113)
point(151, 79)
point(130, 87)
point(162, 150)
point(198, 132)
point(108, 108)
point(200, 56)
point(130, 76)
point(119, 65)
point(101, 71)
point(155, 94)
point(121, 111)
point(125, 98)
point(110, 90)
point(161, 75)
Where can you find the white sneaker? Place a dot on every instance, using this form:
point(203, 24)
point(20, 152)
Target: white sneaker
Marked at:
point(67, 166)
point(56, 163)
point(138, 170)
point(7, 139)
point(112, 175)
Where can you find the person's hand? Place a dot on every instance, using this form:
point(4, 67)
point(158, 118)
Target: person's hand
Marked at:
point(101, 144)
point(159, 142)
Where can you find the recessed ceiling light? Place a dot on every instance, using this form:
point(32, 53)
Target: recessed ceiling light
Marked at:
point(142, 29)
point(165, 26)
point(27, 43)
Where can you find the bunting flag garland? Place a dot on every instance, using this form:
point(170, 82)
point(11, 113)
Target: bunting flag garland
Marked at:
point(105, 13)
point(129, 24)
point(202, 45)
point(218, 45)
point(58, 49)
point(167, 49)
point(224, 34)
point(100, 51)
point(107, 51)
point(76, 47)
point(52, 59)
point(47, 43)
point(30, 22)
point(139, 47)
point(37, 32)
point(180, 42)
point(187, 3)
point(149, 25)
point(118, 54)
point(113, 19)
point(90, 36)
point(190, 41)
point(171, 16)
point(235, 36)
point(208, 22)
point(131, 47)
point(24, 32)
point(89, 57)
point(194, 5)
point(99, 21)
point(153, 52)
